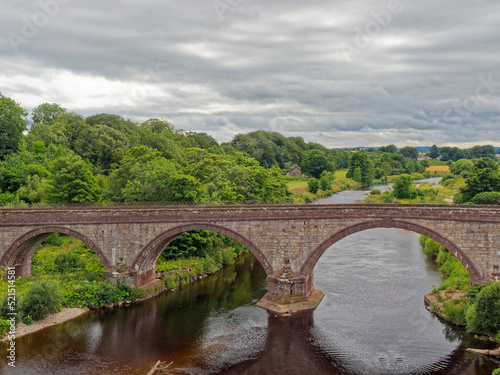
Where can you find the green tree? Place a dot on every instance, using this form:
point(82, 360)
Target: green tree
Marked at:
point(362, 161)
point(391, 149)
point(356, 176)
point(71, 181)
point(326, 180)
point(484, 178)
point(434, 152)
point(315, 164)
point(47, 113)
point(402, 187)
point(12, 125)
point(409, 152)
point(461, 165)
point(313, 185)
point(379, 173)
point(484, 315)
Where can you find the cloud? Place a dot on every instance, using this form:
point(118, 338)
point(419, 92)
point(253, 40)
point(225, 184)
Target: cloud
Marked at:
point(227, 67)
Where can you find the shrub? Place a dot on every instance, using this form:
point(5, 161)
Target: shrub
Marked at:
point(55, 239)
point(4, 327)
point(496, 372)
point(402, 187)
point(42, 299)
point(486, 198)
point(68, 262)
point(455, 312)
point(484, 315)
point(447, 177)
point(313, 185)
point(375, 192)
point(27, 320)
point(108, 294)
point(307, 198)
point(449, 181)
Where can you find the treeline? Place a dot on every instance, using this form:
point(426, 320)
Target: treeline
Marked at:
point(386, 161)
point(66, 158)
point(455, 153)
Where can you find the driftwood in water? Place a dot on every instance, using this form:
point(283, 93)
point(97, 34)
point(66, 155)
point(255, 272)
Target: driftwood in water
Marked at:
point(153, 370)
point(492, 352)
point(159, 368)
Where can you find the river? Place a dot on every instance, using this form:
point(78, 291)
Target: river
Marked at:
point(371, 321)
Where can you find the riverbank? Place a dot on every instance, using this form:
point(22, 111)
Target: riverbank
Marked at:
point(66, 314)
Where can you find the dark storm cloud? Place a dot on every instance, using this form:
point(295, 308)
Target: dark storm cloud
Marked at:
point(421, 72)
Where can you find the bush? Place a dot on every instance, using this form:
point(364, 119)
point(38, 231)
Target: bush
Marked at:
point(486, 198)
point(42, 299)
point(4, 327)
point(313, 185)
point(307, 198)
point(375, 192)
point(68, 262)
point(448, 182)
point(27, 320)
point(484, 315)
point(447, 177)
point(108, 294)
point(496, 372)
point(55, 239)
point(402, 187)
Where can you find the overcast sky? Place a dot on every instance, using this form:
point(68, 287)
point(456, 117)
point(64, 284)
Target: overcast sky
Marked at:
point(341, 73)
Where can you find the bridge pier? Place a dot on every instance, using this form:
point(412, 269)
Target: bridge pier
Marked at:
point(290, 292)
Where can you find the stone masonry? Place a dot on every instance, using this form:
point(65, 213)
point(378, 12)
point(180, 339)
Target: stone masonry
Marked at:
point(288, 240)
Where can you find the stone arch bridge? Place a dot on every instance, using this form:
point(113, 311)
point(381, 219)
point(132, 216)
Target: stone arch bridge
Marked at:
point(288, 240)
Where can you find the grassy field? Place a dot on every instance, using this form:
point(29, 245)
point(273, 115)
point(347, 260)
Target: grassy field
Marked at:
point(438, 168)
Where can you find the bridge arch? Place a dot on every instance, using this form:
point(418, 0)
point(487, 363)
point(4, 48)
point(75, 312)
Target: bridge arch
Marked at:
point(145, 261)
point(21, 252)
point(316, 254)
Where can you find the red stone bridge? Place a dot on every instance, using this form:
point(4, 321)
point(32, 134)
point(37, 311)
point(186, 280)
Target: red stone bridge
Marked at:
point(288, 240)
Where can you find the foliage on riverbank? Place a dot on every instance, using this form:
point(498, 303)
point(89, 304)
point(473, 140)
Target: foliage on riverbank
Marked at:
point(66, 272)
point(424, 193)
point(298, 187)
point(196, 255)
point(478, 308)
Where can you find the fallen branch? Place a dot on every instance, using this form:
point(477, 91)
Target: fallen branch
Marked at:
point(493, 352)
point(159, 367)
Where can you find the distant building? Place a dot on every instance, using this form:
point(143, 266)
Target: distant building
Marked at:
point(295, 171)
point(423, 157)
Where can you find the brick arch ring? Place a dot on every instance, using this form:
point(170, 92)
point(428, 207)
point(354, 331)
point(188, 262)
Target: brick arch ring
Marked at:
point(154, 248)
point(314, 256)
point(49, 230)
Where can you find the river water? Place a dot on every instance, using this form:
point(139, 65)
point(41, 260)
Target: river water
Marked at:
point(371, 321)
